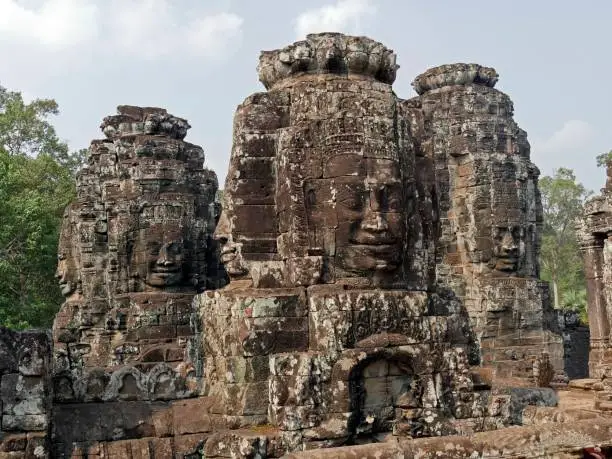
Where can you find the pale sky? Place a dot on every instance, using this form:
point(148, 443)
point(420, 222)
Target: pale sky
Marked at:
point(197, 59)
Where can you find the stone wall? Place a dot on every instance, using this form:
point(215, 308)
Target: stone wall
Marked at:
point(25, 393)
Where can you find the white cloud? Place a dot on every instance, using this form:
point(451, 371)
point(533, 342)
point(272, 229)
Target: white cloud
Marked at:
point(343, 16)
point(211, 34)
point(55, 24)
point(573, 135)
point(155, 28)
point(141, 28)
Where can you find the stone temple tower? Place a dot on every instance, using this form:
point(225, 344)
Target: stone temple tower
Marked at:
point(595, 237)
point(135, 248)
point(490, 214)
point(333, 327)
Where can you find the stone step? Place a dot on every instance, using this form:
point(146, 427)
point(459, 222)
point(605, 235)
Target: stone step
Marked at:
point(586, 384)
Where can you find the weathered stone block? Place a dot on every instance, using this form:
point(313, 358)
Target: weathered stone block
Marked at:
point(190, 416)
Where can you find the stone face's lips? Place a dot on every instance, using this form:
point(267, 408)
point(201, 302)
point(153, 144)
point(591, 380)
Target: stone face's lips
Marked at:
point(369, 239)
point(377, 248)
point(507, 262)
point(65, 287)
point(373, 256)
point(228, 254)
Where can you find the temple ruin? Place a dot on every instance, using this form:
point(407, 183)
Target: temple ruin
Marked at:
point(369, 286)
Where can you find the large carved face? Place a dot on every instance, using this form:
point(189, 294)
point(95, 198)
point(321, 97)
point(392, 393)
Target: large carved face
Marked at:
point(230, 255)
point(360, 214)
point(67, 272)
point(507, 247)
point(160, 255)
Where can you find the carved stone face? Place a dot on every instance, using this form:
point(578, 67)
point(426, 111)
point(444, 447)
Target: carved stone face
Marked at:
point(67, 271)
point(362, 214)
point(231, 255)
point(507, 247)
point(160, 256)
point(66, 274)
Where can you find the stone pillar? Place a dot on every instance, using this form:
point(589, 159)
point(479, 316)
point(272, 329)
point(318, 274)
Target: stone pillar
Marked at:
point(594, 232)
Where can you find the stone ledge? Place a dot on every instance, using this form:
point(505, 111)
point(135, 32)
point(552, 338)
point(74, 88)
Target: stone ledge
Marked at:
point(544, 441)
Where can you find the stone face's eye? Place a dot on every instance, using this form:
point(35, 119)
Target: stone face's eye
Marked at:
point(153, 247)
point(352, 197)
point(174, 249)
point(356, 199)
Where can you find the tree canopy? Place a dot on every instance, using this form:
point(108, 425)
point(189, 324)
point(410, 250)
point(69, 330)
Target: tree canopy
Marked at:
point(36, 183)
point(562, 201)
point(603, 159)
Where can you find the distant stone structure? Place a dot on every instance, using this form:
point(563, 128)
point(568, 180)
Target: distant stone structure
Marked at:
point(595, 236)
point(490, 214)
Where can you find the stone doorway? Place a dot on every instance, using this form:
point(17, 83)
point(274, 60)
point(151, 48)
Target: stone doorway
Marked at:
point(380, 390)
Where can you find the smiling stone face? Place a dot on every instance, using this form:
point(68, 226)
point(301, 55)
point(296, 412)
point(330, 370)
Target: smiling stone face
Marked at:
point(160, 255)
point(358, 219)
point(67, 272)
point(508, 247)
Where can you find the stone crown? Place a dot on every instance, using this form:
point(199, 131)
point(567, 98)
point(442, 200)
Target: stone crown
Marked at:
point(454, 74)
point(132, 120)
point(328, 53)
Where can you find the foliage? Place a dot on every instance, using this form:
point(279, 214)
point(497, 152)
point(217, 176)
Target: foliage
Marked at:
point(603, 159)
point(36, 183)
point(562, 201)
point(576, 300)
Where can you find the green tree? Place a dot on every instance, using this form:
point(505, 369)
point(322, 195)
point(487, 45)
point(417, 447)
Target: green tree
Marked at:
point(603, 159)
point(562, 201)
point(576, 300)
point(36, 183)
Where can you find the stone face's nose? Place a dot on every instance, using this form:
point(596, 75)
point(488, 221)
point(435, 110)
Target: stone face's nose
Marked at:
point(222, 232)
point(374, 220)
point(508, 244)
point(165, 256)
